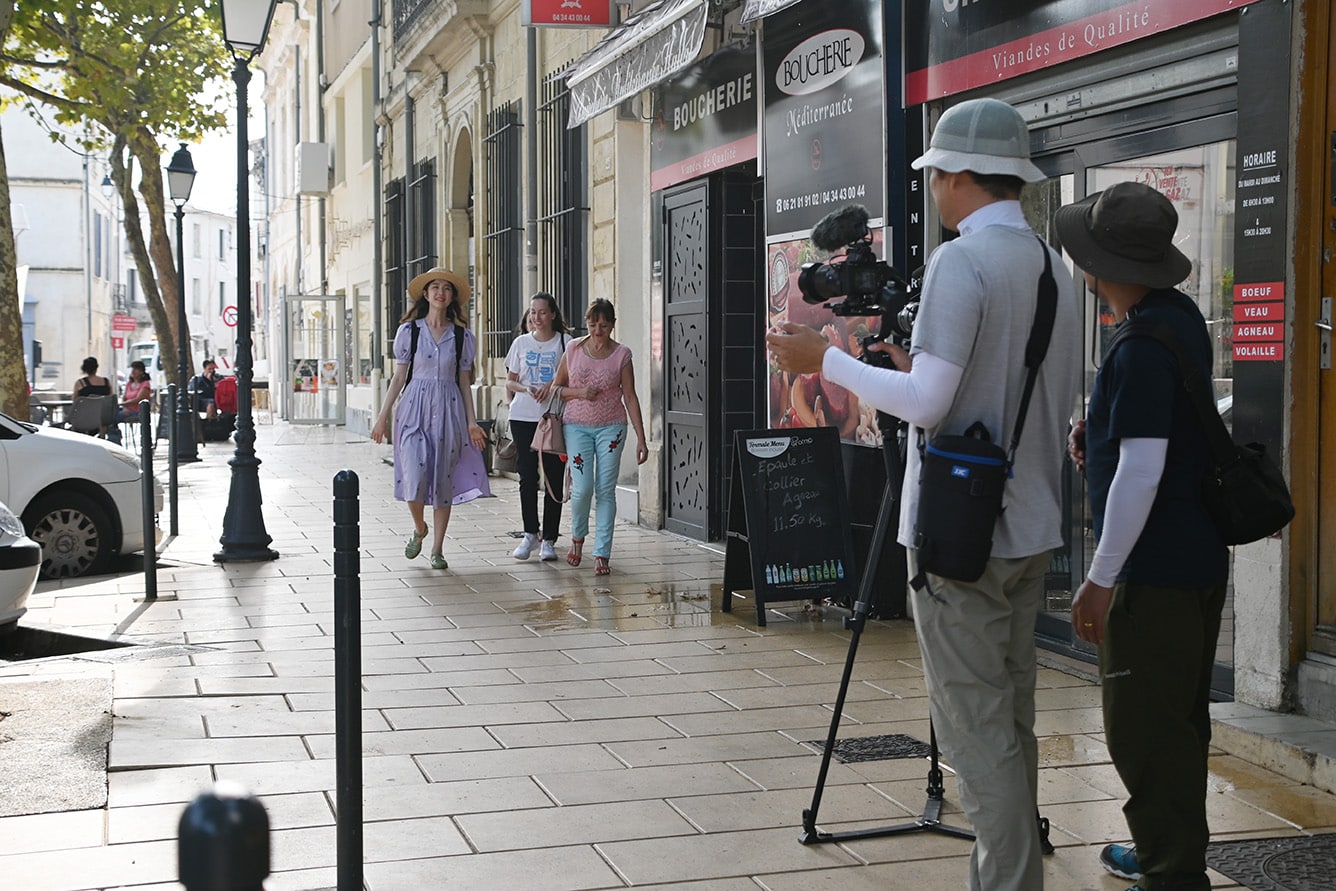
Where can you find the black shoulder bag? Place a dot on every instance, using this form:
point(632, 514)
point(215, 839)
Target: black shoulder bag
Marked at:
point(962, 478)
point(1244, 491)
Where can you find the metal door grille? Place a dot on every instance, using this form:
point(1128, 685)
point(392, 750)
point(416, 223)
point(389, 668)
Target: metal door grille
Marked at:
point(563, 197)
point(504, 239)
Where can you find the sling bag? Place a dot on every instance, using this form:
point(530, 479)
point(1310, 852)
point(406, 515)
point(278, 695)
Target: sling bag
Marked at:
point(1244, 491)
point(961, 478)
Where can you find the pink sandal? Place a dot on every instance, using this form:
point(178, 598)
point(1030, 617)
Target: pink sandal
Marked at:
point(601, 566)
point(574, 555)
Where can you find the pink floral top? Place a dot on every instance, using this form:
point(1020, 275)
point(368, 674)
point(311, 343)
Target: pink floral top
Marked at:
point(582, 370)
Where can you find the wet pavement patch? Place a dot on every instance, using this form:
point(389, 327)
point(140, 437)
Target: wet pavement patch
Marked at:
point(1293, 863)
point(874, 748)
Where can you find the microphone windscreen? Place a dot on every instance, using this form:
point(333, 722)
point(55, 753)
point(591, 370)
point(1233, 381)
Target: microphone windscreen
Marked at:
point(841, 227)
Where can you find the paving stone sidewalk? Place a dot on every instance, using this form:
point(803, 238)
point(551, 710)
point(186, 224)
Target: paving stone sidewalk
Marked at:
point(526, 725)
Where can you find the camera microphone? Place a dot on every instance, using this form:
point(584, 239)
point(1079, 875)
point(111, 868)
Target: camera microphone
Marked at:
point(840, 228)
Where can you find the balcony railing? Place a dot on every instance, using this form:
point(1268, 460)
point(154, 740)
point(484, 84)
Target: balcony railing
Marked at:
point(407, 13)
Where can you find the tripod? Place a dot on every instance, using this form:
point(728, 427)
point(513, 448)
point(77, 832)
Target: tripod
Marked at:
point(893, 441)
point(894, 438)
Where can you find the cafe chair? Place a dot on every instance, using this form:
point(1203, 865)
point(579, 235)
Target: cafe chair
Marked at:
point(91, 414)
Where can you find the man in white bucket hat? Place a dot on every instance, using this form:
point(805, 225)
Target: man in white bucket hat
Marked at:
point(966, 365)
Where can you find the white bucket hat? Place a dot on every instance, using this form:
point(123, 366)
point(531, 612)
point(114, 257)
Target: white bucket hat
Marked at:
point(985, 136)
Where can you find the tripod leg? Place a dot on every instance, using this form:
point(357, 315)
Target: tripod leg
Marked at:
point(855, 623)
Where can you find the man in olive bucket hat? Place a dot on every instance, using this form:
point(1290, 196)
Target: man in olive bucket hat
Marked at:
point(967, 365)
point(1153, 595)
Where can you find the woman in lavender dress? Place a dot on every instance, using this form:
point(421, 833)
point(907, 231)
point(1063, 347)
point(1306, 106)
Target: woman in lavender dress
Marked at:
point(437, 443)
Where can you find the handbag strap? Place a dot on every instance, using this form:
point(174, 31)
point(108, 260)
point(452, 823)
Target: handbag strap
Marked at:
point(1194, 382)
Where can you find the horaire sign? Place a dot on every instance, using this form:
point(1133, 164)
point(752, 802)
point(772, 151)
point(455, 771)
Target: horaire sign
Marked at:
point(568, 13)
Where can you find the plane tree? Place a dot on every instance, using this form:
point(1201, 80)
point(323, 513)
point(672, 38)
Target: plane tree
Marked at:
point(126, 77)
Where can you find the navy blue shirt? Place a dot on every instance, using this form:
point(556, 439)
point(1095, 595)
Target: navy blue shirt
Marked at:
point(1139, 393)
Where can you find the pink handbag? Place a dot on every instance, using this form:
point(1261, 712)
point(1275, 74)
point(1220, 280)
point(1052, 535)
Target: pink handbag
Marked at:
point(548, 437)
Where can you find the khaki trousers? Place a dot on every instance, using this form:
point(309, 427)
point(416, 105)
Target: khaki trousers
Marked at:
point(977, 641)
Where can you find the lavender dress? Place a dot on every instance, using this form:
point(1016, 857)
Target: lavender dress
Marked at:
point(434, 461)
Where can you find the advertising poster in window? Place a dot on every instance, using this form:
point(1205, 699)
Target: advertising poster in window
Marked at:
point(809, 400)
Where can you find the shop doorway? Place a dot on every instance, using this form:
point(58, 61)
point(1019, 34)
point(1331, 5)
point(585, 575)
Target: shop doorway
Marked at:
point(313, 331)
point(1192, 162)
point(713, 352)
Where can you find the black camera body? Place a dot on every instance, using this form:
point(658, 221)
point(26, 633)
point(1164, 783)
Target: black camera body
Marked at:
point(869, 286)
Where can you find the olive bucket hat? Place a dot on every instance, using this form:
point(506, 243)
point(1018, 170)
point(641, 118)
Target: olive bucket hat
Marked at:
point(1124, 234)
point(418, 285)
point(984, 136)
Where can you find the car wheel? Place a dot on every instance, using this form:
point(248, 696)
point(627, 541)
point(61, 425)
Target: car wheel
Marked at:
point(74, 532)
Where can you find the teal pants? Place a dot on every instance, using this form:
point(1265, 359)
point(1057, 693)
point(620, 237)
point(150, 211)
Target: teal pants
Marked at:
point(595, 458)
point(1155, 664)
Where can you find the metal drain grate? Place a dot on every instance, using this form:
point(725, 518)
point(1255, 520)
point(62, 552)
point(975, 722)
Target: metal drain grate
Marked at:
point(1295, 863)
point(874, 748)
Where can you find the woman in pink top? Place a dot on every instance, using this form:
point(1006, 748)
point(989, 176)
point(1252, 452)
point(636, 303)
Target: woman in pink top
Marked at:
point(137, 388)
point(598, 383)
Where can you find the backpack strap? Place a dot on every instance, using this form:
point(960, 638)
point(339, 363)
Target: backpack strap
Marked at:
point(412, 349)
point(459, 349)
point(1199, 390)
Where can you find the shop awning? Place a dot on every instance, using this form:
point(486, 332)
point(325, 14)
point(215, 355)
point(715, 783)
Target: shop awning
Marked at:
point(654, 44)
point(759, 9)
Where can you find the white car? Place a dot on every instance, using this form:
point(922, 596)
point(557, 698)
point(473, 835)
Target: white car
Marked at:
point(79, 497)
point(20, 558)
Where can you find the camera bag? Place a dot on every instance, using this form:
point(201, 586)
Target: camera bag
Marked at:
point(1244, 491)
point(962, 477)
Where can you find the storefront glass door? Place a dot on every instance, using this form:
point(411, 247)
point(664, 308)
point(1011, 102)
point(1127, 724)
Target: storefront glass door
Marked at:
point(1199, 180)
point(316, 376)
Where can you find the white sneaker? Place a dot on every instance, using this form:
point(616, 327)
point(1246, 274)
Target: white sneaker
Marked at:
point(525, 547)
point(547, 552)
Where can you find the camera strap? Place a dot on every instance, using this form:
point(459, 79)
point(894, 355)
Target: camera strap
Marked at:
point(1036, 348)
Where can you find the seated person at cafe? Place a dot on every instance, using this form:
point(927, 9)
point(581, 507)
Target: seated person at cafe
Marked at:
point(205, 386)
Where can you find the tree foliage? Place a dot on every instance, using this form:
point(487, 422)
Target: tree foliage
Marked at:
point(139, 71)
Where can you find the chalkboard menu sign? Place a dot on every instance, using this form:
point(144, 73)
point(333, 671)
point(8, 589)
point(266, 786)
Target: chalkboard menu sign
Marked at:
point(788, 519)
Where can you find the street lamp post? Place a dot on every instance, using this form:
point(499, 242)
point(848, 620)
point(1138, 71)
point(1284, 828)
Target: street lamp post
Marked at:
point(244, 539)
point(180, 180)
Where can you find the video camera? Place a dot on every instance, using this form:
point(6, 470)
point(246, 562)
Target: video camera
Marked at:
point(871, 287)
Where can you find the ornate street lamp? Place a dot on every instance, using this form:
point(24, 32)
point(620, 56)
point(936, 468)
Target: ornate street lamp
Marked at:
point(244, 539)
point(180, 180)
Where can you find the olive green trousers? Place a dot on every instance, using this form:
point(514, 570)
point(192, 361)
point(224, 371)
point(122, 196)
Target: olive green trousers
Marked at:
point(1155, 665)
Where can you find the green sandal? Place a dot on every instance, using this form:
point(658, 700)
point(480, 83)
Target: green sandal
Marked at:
point(438, 562)
point(414, 546)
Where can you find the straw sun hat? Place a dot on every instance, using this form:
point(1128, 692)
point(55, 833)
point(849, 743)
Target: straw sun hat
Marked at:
point(418, 286)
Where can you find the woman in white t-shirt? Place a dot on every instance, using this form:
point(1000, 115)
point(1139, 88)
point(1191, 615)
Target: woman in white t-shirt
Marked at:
point(531, 366)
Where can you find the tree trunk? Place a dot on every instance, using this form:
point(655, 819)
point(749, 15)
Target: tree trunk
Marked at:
point(164, 323)
point(13, 368)
point(146, 151)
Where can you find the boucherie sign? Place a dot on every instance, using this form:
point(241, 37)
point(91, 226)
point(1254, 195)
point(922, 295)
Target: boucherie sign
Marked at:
point(568, 13)
point(957, 45)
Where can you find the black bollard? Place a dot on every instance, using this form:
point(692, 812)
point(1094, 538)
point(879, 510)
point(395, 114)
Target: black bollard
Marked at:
point(146, 495)
point(171, 457)
point(348, 681)
point(223, 842)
